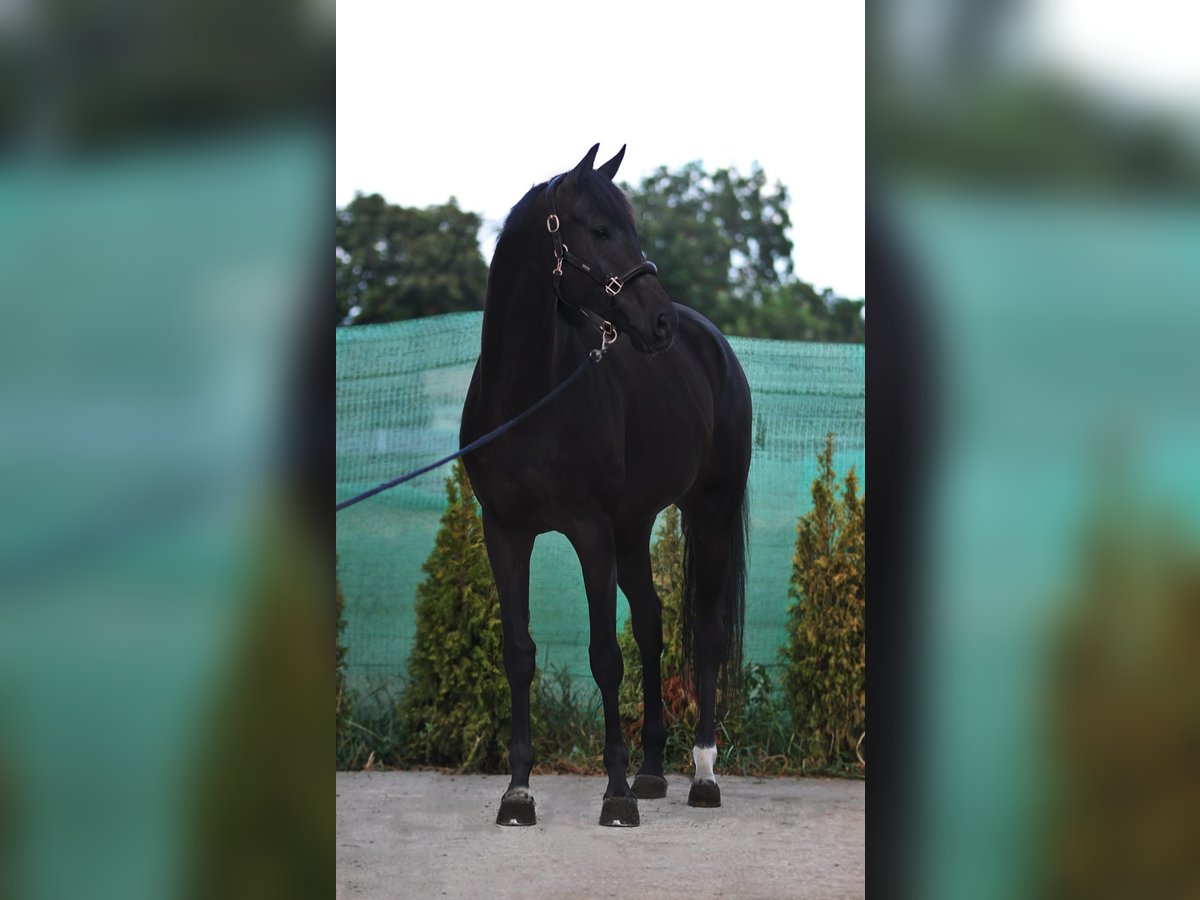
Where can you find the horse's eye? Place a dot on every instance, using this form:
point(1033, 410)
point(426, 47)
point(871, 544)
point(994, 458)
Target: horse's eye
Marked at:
point(601, 232)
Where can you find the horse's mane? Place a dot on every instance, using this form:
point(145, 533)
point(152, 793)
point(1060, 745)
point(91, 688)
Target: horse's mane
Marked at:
point(609, 199)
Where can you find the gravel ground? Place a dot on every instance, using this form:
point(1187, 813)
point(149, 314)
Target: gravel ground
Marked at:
point(423, 834)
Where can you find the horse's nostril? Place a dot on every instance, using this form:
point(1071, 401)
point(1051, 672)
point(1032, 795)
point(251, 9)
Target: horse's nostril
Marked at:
point(662, 328)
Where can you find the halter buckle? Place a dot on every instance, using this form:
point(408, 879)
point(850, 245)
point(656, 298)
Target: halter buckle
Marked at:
point(552, 223)
point(612, 292)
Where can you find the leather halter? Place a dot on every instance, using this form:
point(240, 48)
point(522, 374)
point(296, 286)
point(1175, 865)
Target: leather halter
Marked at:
point(612, 286)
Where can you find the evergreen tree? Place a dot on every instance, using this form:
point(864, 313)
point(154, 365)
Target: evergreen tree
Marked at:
point(1120, 713)
point(826, 654)
point(455, 710)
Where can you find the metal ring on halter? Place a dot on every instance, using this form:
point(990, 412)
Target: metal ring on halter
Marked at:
point(608, 335)
point(552, 223)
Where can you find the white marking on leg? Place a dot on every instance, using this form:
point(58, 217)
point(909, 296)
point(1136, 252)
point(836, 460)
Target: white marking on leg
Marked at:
point(704, 757)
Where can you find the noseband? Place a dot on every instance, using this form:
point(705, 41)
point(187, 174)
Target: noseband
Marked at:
point(612, 286)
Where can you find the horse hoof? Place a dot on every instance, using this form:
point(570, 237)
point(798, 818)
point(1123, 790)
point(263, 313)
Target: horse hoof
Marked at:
point(649, 787)
point(620, 812)
point(705, 794)
point(516, 808)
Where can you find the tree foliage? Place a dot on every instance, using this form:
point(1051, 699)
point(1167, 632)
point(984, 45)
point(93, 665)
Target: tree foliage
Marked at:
point(395, 263)
point(718, 237)
point(826, 653)
point(455, 709)
point(721, 243)
point(1032, 131)
point(720, 240)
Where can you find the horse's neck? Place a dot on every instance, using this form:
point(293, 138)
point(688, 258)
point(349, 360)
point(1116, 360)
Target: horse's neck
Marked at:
point(519, 334)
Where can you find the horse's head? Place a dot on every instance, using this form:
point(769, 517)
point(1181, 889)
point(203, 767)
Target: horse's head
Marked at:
point(600, 264)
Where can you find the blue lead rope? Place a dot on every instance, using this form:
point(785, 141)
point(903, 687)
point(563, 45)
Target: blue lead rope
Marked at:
point(592, 358)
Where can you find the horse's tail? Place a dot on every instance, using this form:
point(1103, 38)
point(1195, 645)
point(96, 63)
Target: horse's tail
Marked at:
point(732, 605)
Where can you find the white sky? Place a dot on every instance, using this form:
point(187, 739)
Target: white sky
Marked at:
point(1146, 49)
point(482, 101)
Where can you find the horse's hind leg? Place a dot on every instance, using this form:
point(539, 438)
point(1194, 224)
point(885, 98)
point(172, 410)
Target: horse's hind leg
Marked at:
point(645, 609)
point(715, 549)
point(710, 567)
point(594, 543)
point(509, 552)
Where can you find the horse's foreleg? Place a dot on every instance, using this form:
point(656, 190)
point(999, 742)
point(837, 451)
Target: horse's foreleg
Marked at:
point(594, 544)
point(509, 552)
point(645, 609)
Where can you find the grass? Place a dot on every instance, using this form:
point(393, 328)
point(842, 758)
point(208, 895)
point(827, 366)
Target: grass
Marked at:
point(568, 726)
point(372, 739)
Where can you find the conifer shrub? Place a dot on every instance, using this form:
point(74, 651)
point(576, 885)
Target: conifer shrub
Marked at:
point(826, 652)
point(1120, 714)
point(455, 708)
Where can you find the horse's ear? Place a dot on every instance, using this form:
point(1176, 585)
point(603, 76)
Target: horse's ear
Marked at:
point(610, 167)
point(586, 164)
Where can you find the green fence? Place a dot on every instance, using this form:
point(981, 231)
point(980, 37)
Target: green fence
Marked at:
point(400, 390)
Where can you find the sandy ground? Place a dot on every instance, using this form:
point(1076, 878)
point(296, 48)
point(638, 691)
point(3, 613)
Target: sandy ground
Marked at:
point(422, 834)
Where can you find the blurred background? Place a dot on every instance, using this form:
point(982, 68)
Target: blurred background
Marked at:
point(1034, 177)
point(164, 609)
point(1035, 196)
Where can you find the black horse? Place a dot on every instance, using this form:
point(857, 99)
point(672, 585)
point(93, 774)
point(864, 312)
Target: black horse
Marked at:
point(664, 418)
